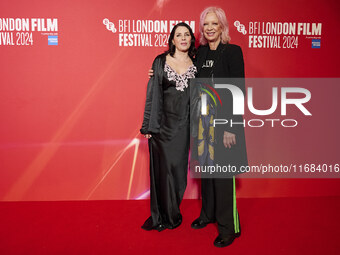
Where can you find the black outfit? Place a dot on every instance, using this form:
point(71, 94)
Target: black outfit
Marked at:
point(218, 194)
point(166, 118)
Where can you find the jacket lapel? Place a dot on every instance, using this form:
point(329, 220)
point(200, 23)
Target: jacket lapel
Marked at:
point(220, 49)
point(203, 51)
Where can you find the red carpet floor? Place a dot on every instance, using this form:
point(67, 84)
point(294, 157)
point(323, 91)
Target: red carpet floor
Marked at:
point(269, 226)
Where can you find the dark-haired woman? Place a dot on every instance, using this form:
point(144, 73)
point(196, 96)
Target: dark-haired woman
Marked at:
point(166, 125)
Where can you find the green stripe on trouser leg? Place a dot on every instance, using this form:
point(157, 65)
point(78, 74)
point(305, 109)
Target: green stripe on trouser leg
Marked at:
point(236, 220)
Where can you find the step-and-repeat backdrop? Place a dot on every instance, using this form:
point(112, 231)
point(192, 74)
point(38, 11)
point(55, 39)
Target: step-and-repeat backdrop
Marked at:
point(73, 84)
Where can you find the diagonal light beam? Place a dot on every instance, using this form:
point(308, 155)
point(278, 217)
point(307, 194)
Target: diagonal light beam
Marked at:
point(134, 142)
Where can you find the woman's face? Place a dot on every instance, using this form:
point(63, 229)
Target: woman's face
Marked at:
point(212, 29)
point(182, 39)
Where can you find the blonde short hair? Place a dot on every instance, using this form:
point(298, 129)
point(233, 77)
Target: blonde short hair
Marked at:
point(222, 19)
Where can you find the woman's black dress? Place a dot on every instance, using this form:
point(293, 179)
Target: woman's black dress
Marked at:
point(169, 147)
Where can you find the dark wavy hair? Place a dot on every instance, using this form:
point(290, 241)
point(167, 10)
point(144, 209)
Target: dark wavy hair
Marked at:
point(172, 47)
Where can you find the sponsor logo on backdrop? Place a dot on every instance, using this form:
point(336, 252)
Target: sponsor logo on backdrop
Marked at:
point(20, 31)
point(52, 40)
point(316, 43)
point(142, 33)
point(279, 35)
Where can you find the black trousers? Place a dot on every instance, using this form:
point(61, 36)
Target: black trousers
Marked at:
point(219, 204)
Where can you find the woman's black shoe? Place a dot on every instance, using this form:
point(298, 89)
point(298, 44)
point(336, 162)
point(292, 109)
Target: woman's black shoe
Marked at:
point(160, 227)
point(199, 223)
point(148, 224)
point(224, 241)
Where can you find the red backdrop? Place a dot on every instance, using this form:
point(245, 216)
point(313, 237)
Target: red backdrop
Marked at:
point(70, 113)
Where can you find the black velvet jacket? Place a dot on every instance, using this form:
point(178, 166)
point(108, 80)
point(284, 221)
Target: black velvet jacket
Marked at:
point(228, 65)
point(154, 98)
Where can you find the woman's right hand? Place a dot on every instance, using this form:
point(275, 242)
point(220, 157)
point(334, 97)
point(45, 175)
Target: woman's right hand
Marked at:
point(150, 73)
point(229, 139)
point(148, 136)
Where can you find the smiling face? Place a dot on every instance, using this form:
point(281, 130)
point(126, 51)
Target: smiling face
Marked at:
point(212, 28)
point(182, 39)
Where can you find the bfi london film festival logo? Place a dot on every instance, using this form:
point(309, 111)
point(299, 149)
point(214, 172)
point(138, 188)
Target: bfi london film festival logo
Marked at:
point(143, 33)
point(109, 25)
point(239, 102)
point(240, 27)
point(280, 35)
point(22, 31)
